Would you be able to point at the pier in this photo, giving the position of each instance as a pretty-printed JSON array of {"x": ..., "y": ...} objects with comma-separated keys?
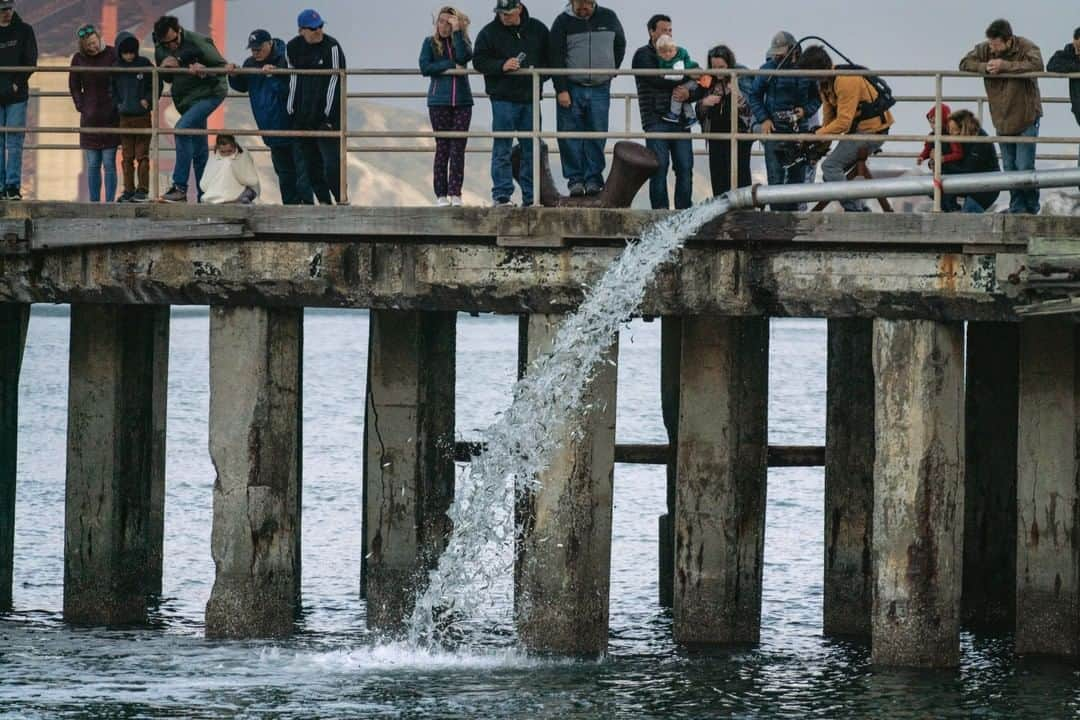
[{"x": 950, "y": 457}]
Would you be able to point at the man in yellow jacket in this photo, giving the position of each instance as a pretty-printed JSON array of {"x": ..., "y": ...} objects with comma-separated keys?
[{"x": 843, "y": 99}]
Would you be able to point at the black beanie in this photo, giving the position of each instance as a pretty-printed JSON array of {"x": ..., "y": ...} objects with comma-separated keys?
[{"x": 129, "y": 44}]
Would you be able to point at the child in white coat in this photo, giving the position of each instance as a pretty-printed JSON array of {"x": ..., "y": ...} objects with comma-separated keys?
[{"x": 230, "y": 175}]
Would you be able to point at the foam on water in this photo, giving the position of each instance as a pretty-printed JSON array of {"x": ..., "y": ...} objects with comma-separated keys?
[{"x": 468, "y": 591}]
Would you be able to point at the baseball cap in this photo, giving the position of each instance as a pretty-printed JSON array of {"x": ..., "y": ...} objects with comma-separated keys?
[
  {"x": 255, "y": 39},
  {"x": 781, "y": 43},
  {"x": 309, "y": 19},
  {"x": 6, "y": 4},
  {"x": 505, "y": 6}
]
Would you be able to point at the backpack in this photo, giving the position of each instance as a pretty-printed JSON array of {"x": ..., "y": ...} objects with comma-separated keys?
[{"x": 877, "y": 107}]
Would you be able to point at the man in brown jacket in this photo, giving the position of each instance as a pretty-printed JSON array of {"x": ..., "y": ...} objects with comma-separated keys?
[
  {"x": 1015, "y": 104},
  {"x": 845, "y": 100}
]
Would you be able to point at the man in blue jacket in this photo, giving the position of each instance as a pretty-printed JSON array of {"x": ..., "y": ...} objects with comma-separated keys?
[
  {"x": 783, "y": 104},
  {"x": 269, "y": 96},
  {"x": 584, "y": 36}
]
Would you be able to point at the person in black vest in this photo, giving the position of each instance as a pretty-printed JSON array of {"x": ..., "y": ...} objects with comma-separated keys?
[
  {"x": 655, "y": 94},
  {"x": 315, "y": 103},
  {"x": 18, "y": 48}
]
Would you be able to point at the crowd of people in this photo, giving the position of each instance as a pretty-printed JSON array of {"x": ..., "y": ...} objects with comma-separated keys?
[{"x": 582, "y": 39}]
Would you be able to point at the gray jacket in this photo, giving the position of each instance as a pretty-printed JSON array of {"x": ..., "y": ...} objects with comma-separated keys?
[{"x": 597, "y": 42}]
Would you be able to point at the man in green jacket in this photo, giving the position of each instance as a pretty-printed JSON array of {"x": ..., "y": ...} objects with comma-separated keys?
[{"x": 194, "y": 93}]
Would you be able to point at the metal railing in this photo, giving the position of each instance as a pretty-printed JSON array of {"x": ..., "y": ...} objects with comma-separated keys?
[{"x": 537, "y": 135}]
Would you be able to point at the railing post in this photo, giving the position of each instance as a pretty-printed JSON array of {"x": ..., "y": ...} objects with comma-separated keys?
[
  {"x": 155, "y": 139},
  {"x": 937, "y": 142},
  {"x": 734, "y": 88},
  {"x": 343, "y": 164},
  {"x": 537, "y": 85},
  {"x": 629, "y": 116}
]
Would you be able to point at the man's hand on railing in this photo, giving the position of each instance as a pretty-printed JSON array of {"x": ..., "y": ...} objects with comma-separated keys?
[
  {"x": 511, "y": 65},
  {"x": 197, "y": 66},
  {"x": 995, "y": 66},
  {"x": 231, "y": 68}
]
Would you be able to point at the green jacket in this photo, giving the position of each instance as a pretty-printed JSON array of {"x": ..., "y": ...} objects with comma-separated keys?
[{"x": 188, "y": 89}]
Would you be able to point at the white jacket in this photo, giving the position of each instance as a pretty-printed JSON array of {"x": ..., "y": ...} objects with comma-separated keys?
[{"x": 225, "y": 178}]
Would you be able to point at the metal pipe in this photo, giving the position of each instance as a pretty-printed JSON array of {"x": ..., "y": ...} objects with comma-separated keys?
[{"x": 761, "y": 195}]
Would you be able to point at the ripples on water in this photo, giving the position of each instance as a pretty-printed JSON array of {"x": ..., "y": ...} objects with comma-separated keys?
[{"x": 333, "y": 668}]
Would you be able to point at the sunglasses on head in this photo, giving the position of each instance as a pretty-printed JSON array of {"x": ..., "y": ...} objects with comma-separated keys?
[{"x": 86, "y": 31}]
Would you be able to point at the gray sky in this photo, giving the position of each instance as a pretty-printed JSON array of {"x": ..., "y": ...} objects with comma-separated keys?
[{"x": 887, "y": 34}]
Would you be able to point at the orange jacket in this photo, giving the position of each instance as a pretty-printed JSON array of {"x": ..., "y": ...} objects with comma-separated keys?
[{"x": 840, "y": 98}]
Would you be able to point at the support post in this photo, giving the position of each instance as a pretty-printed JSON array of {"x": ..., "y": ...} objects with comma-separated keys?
[
  {"x": 14, "y": 319},
  {"x": 720, "y": 499},
  {"x": 408, "y": 457},
  {"x": 256, "y": 375},
  {"x": 849, "y": 478},
  {"x": 114, "y": 511},
  {"x": 918, "y": 492},
  {"x": 1047, "y": 558},
  {"x": 993, "y": 368},
  {"x": 670, "y": 357},
  {"x": 562, "y": 576}
]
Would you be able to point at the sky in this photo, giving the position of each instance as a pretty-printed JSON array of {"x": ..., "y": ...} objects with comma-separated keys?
[{"x": 887, "y": 34}]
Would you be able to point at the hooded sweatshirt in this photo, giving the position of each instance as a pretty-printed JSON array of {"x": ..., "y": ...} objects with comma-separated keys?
[
  {"x": 188, "y": 88},
  {"x": 955, "y": 150},
  {"x": 594, "y": 42},
  {"x": 497, "y": 43},
  {"x": 226, "y": 178},
  {"x": 269, "y": 94},
  {"x": 93, "y": 98},
  {"x": 18, "y": 48},
  {"x": 130, "y": 89},
  {"x": 1015, "y": 104}
]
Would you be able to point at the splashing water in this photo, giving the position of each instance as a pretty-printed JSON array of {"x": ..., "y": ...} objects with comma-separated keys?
[{"x": 521, "y": 443}]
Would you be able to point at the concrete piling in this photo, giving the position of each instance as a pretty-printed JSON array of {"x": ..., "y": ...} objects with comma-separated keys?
[
  {"x": 1047, "y": 561},
  {"x": 918, "y": 492},
  {"x": 670, "y": 357},
  {"x": 849, "y": 477},
  {"x": 255, "y": 443},
  {"x": 114, "y": 511},
  {"x": 992, "y": 391},
  {"x": 408, "y": 457},
  {"x": 563, "y": 570},
  {"x": 14, "y": 319},
  {"x": 722, "y": 459}
]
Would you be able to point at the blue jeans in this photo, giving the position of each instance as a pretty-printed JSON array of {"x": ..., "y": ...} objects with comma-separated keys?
[
  {"x": 583, "y": 161},
  {"x": 1015, "y": 156},
  {"x": 11, "y": 144},
  {"x": 677, "y": 152},
  {"x": 95, "y": 161},
  {"x": 509, "y": 116},
  {"x": 971, "y": 205},
  {"x": 193, "y": 150}
]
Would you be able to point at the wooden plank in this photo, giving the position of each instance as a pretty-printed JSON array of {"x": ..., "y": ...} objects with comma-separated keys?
[{"x": 49, "y": 234}]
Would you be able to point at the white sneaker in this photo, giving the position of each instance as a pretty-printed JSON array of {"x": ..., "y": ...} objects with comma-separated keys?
[
  {"x": 455, "y": 201},
  {"x": 442, "y": 202}
]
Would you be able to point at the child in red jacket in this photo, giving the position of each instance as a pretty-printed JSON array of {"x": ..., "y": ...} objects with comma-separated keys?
[{"x": 952, "y": 153}]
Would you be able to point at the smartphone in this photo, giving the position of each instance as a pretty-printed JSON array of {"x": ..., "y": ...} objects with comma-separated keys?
[{"x": 521, "y": 59}]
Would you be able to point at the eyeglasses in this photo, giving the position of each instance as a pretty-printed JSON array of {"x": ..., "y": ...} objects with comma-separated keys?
[
  {"x": 86, "y": 31},
  {"x": 174, "y": 41}
]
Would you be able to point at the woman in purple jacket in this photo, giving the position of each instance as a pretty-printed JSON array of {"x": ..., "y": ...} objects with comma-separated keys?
[{"x": 93, "y": 99}]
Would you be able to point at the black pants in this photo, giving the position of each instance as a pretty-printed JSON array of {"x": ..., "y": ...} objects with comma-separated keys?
[
  {"x": 720, "y": 165},
  {"x": 323, "y": 167},
  {"x": 291, "y": 171}
]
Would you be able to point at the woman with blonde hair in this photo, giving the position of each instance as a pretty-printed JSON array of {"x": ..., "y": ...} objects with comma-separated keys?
[
  {"x": 449, "y": 99},
  {"x": 92, "y": 96},
  {"x": 978, "y": 158}
]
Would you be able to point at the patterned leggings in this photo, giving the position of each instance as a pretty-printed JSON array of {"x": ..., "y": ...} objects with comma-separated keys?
[{"x": 449, "y": 172}]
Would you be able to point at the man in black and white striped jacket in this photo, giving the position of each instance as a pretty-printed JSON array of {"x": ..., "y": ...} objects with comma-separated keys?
[{"x": 315, "y": 103}]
